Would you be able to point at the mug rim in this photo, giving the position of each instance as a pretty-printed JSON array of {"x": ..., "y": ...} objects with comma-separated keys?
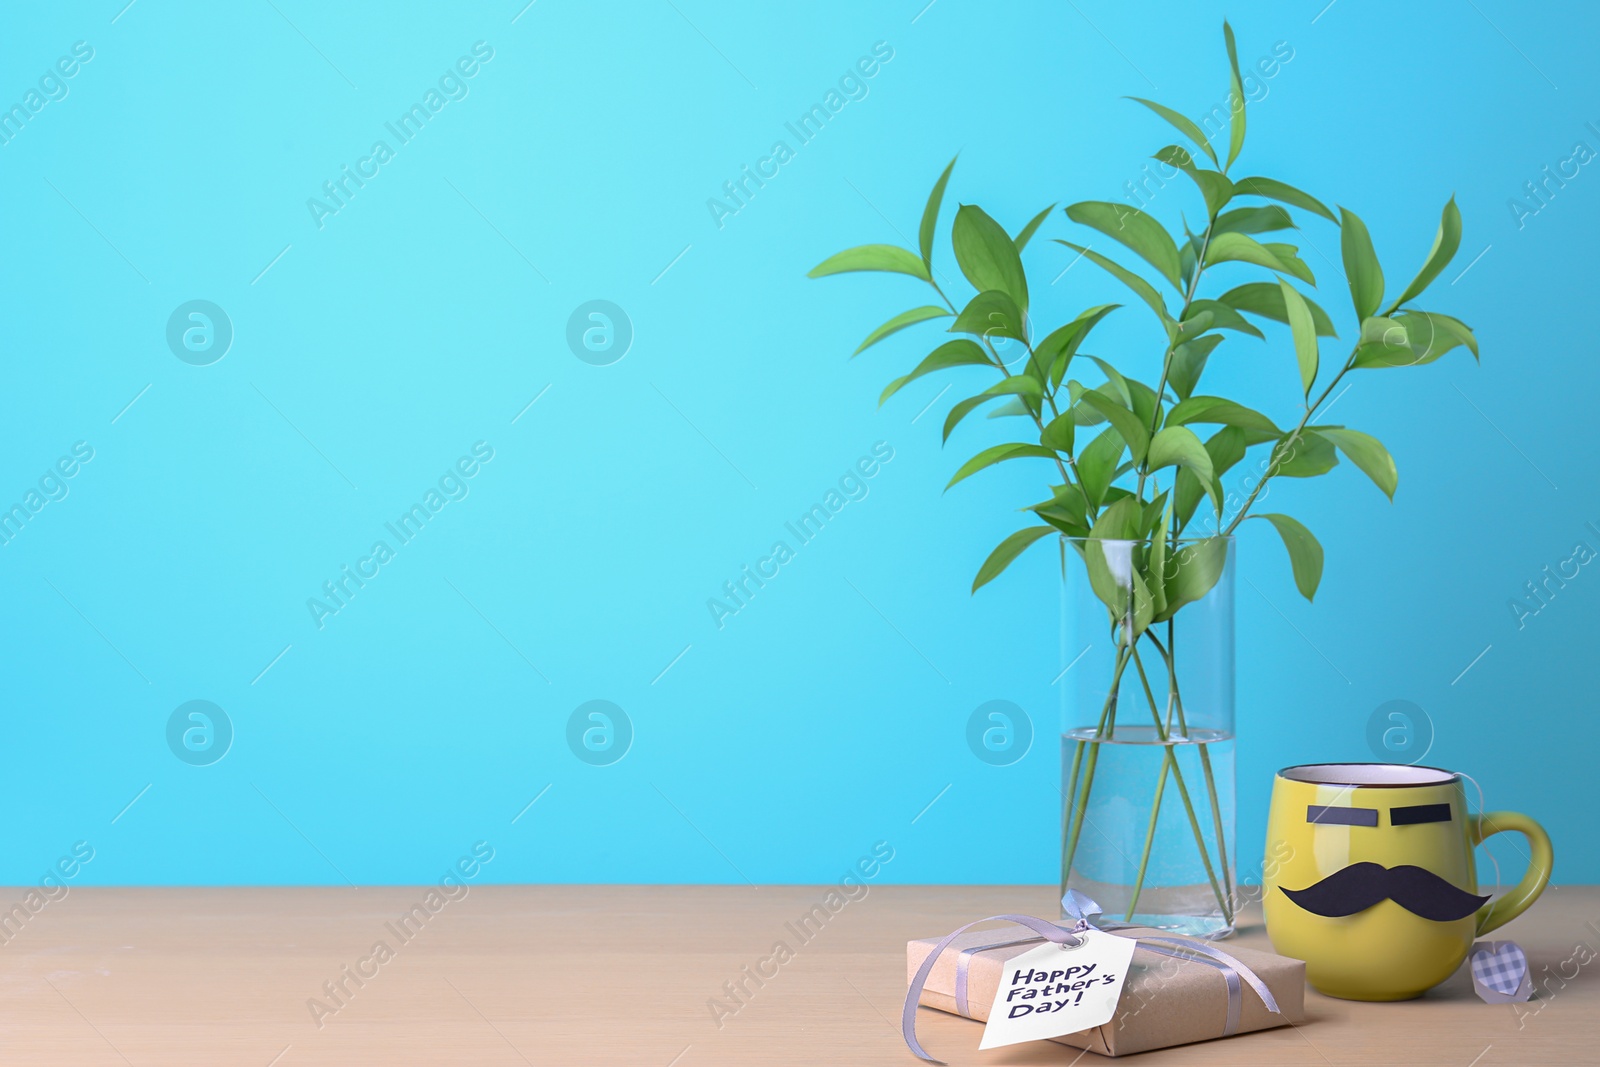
[{"x": 1444, "y": 777}]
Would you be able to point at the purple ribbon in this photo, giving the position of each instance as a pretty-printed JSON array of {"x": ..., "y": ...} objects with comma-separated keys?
[
  {"x": 1081, "y": 909},
  {"x": 1047, "y": 931},
  {"x": 964, "y": 961}
]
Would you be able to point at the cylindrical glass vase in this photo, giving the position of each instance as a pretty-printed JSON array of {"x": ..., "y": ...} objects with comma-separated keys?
[{"x": 1147, "y": 742}]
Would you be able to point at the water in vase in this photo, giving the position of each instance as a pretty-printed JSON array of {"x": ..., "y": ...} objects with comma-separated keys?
[{"x": 1148, "y": 826}]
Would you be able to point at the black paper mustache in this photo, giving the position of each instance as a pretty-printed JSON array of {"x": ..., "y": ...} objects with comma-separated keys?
[{"x": 1361, "y": 885}]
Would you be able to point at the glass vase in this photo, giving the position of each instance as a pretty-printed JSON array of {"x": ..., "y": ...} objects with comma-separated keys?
[{"x": 1147, "y": 742}]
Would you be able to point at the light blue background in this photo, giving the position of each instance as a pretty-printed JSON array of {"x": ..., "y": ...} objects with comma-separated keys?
[{"x": 830, "y": 712}]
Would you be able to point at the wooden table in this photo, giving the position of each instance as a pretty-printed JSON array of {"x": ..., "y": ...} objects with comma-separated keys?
[{"x": 570, "y": 975}]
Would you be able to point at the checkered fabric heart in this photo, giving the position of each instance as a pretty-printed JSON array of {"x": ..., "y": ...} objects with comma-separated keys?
[{"x": 1499, "y": 966}]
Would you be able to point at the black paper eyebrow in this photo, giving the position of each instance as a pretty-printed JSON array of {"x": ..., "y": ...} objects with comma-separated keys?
[
  {"x": 1416, "y": 813},
  {"x": 1326, "y": 816}
]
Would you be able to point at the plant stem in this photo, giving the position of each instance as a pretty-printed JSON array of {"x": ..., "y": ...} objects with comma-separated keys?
[
  {"x": 1183, "y": 793},
  {"x": 1172, "y": 347},
  {"x": 1049, "y": 397},
  {"x": 1108, "y": 718},
  {"x": 1216, "y": 822},
  {"x": 1291, "y": 437},
  {"x": 1155, "y": 814},
  {"x": 1149, "y": 842},
  {"x": 1170, "y": 656},
  {"x": 1069, "y": 816}
]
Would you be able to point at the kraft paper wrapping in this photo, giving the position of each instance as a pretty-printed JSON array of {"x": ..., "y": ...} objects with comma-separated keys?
[{"x": 1165, "y": 1001}]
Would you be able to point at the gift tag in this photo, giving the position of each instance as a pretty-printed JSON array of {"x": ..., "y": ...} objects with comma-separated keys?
[
  {"x": 1059, "y": 989},
  {"x": 1500, "y": 972}
]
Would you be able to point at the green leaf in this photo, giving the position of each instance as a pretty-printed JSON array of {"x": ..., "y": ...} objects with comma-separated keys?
[
  {"x": 1016, "y": 407},
  {"x": 1188, "y": 255},
  {"x": 1097, "y": 464},
  {"x": 991, "y": 314},
  {"x": 1188, "y": 361},
  {"x": 1360, "y": 265},
  {"x": 1059, "y": 346},
  {"x": 998, "y": 454},
  {"x": 1226, "y": 447},
  {"x": 1192, "y": 572},
  {"x": 962, "y": 410},
  {"x": 1266, "y": 299},
  {"x": 1063, "y": 516},
  {"x": 1445, "y": 243},
  {"x": 1303, "y": 328},
  {"x": 1120, "y": 521},
  {"x": 1411, "y": 339},
  {"x": 1130, "y": 392},
  {"x": 1254, "y": 220},
  {"x": 958, "y": 353},
  {"x": 1144, "y": 400},
  {"x": 1436, "y": 334},
  {"x": 1305, "y": 554},
  {"x": 1026, "y": 234},
  {"x": 930, "y": 216},
  {"x": 1182, "y": 124},
  {"x": 1196, "y": 324},
  {"x": 1385, "y": 331},
  {"x": 1177, "y": 446},
  {"x": 986, "y": 255},
  {"x": 1006, "y": 551},
  {"x": 1128, "y": 425},
  {"x": 1083, "y": 414},
  {"x": 1146, "y": 237},
  {"x": 1289, "y": 256},
  {"x": 1236, "y": 124},
  {"x": 1144, "y": 289},
  {"x": 1036, "y": 369},
  {"x": 872, "y": 257},
  {"x": 900, "y": 322},
  {"x": 1224, "y": 317},
  {"x": 1116, "y": 385},
  {"x": 1156, "y": 564},
  {"x": 1016, "y": 385},
  {"x": 1215, "y": 409},
  {"x": 1384, "y": 343},
  {"x": 1066, "y": 508},
  {"x": 1447, "y": 332},
  {"x": 1238, "y": 247},
  {"x": 1137, "y": 608},
  {"x": 1368, "y": 453},
  {"x": 1059, "y": 433},
  {"x": 1308, "y": 456},
  {"x": 1283, "y": 193},
  {"x": 1151, "y": 515},
  {"x": 1071, "y": 497},
  {"x": 1061, "y": 519},
  {"x": 1214, "y": 186},
  {"x": 1112, "y": 559}
]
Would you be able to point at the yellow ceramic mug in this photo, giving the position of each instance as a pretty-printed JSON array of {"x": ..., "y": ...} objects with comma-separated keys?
[{"x": 1370, "y": 876}]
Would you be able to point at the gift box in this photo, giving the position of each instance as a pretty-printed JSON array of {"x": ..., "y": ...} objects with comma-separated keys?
[{"x": 1171, "y": 996}]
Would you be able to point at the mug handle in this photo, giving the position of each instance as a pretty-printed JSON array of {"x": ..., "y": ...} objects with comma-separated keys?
[{"x": 1497, "y": 913}]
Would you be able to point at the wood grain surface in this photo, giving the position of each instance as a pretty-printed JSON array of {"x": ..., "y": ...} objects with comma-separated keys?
[{"x": 567, "y": 975}]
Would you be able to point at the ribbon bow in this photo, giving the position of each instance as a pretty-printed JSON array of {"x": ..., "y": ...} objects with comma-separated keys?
[{"x": 1081, "y": 909}]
